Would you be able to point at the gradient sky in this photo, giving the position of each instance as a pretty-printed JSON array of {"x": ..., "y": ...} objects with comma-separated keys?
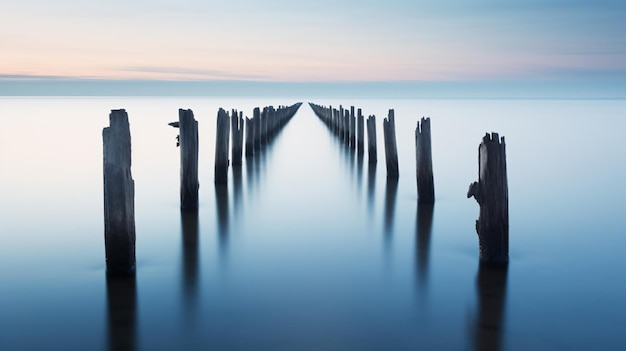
[{"x": 323, "y": 40}]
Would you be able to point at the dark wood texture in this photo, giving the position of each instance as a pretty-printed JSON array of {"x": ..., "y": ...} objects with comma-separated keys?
[
  {"x": 492, "y": 194},
  {"x": 424, "y": 162},
  {"x": 119, "y": 196}
]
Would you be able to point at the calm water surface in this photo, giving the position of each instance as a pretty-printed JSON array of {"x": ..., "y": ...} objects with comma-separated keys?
[{"x": 309, "y": 248}]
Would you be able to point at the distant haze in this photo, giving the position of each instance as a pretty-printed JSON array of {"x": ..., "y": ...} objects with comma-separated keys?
[{"x": 553, "y": 42}]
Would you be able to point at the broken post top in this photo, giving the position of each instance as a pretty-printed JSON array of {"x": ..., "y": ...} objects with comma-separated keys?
[
  {"x": 493, "y": 138},
  {"x": 423, "y": 125}
]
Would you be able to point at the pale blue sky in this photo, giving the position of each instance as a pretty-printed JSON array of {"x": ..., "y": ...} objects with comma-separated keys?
[{"x": 281, "y": 40}]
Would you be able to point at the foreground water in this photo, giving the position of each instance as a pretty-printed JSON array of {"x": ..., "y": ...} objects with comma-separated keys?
[{"x": 310, "y": 248}]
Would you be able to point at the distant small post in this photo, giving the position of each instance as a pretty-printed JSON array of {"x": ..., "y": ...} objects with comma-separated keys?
[
  {"x": 221, "y": 147},
  {"x": 371, "y": 139},
  {"x": 492, "y": 194},
  {"x": 119, "y": 196},
  {"x": 188, "y": 139},
  {"x": 391, "y": 150},
  {"x": 424, "y": 163}
]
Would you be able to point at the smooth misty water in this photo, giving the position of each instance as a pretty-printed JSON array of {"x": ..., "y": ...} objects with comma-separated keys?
[{"x": 309, "y": 248}]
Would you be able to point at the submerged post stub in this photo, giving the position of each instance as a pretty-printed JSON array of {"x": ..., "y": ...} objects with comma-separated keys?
[
  {"x": 221, "y": 147},
  {"x": 119, "y": 196},
  {"x": 424, "y": 162},
  {"x": 391, "y": 150},
  {"x": 492, "y": 194},
  {"x": 188, "y": 160}
]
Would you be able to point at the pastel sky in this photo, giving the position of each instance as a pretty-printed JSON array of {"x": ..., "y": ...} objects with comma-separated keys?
[{"x": 323, "y": 40}]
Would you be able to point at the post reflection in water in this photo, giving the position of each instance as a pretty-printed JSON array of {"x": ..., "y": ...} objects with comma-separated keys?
[
  {"x": 122, "y": 312},
  {"x": 237, "y": 190},
  {"x": 359, "y": 171},
  {"x": 391, "y": 190},
  {"x": 221, "y": 200},
  {"x": 189, "y": 226},
  {"x": 371, "y": 186},
  {"x": 491, "y": 290},
  {"x": 423, "y": 232}
]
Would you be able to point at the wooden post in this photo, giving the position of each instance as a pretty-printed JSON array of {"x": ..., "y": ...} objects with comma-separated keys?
[
  {"x": 256, "y": 131},
  {"x": 391, "y": 151},
  {"x": 360, "y": 132},
  {"x": 119, "y": 196},
  {"x": 352, "y": 128},
  {"x": 237, "y": 136},
  {"x": 424, "y": 163},
  {"x": 221, "y": 147},
  {"x": 188, "y": 139},
  {"x": 371, "y": 139},
  {"x": 492, "y": 194},
  {"x": 249, "y": 137}
]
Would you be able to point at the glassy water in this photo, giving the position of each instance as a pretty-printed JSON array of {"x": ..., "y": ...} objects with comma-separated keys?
[{"x": 309, "y": 248}]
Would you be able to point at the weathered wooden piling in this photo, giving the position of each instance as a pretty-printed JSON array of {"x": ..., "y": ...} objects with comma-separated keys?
[
  {"x": 352, "y": 128},
  {"x": 237, "y": 137},
  {"x": 249, "y": 137},
  {"x": 391, "y": 150},
  {"x": 221, "y": 147},
  {"x": 119, "y": 196},
  {"x": 424, "y": 162},
  {"x": 256, "y": 128},
  {"x": 491, "y": 193},
  {"x": 188, "y": 139},
  {"x": 371, "y": 139},
  {"x": 360, "y": 132}
]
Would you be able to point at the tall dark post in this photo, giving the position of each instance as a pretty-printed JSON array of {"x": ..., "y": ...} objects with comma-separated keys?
[
  {"x": 492, "y": 194},
  {"x": 237, "y": 137},
  {"x": 391, "y": 150},
  {"x": 352, "y": 132},
  {"x": 371, "y": 139},
  {"x": 221, "y": 147},
  {"x": 256, "y": 128},
  {"x": 188, "y": 139},
  {"x": 119, "y": 196},
  {"x": 249, "y": 137},
  {"x": 360, "y": 132},
  {"x": 424, "y": 162}
]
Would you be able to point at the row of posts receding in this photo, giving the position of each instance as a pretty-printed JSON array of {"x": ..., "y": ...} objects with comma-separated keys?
[
  {"x": 251, "y": 134},
  {"x": 119, "y": 186},
  {"x": 490, "y": 191}
]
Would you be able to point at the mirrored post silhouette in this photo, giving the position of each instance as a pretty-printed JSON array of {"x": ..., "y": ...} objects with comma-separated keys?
[
  {"x": 391, "y": 191},
  {"x": 371, "y": 187},
  {"x": 237, "y": 190},
  {"x": 122, "y": 312},
  {"x": 491, "y": 283},
  {"x": 359, "y": 171},
  {"x": 221, "y": 201},
  {"x": 190, "y": 239},
  {"x": 423, "y": 233}
]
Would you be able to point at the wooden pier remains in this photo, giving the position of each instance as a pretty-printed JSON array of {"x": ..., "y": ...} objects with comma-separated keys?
[
  {"x": 491, "y": 193},
  {"x": 237, "y": 137},
  {"x": 119, "y": 196},
  {"x": 424, "y": 162},
  {"x": 391, "y": 150},
  {"x": 360, "y": 132},
  {"x": 188, "y": 140},
  {"x": 371, "y": 139},
  {"x": 221, "y": 147}
]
